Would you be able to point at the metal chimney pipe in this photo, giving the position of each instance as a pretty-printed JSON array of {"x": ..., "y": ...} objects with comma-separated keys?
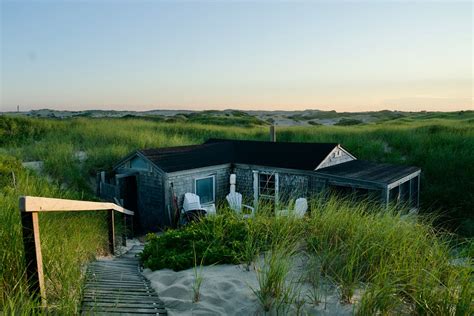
[{"x": 272, "y": 133}]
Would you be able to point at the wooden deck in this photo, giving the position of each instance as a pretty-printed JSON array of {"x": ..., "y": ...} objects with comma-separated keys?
[{"x": 117, "y": 287}]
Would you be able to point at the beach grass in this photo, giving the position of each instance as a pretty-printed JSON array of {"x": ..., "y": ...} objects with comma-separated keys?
[
  {"x": 401, "y": 264},
  {"x": 68, "y": 241},
  {"x": 441, "y": 144}
]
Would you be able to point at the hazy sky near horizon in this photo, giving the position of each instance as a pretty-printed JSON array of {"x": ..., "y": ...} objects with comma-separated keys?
[{"x": 330, "y": 55}]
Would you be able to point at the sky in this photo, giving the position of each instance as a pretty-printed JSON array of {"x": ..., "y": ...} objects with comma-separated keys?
[{"x": 254, "y": 55}]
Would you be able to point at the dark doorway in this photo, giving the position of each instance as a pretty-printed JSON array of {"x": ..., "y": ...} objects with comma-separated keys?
[{"x": 129, "y": 196}]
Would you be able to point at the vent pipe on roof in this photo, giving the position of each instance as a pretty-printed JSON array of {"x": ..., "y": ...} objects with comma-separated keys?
[{"x": 272, "y": 133}]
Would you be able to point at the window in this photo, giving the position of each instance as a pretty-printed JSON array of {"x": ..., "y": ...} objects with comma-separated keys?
[
  {"x": 205, "y": 189},
  {"x": 266, "y": 185}
]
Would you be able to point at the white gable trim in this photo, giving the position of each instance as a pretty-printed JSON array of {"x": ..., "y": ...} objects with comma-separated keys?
[{"x": 338, "y": 147}]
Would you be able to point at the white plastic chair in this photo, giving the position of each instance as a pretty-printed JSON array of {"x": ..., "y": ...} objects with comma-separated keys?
[
  {"x": 301, "y": 206},
  {"x": 210, "y": 209},
  {"x": 235, "y": 203},
  {"x": 191, "y": 202}
]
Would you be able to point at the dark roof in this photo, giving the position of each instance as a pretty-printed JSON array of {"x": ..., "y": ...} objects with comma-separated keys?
[
  {"x": 172, "y": 159},
  {"x": 303, "y": 156},
  {"x": 382, "y": 173}
]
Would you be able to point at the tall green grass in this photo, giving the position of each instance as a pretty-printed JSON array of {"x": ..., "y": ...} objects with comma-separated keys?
[
  {"x": 441, "y": 144},
  {"x": 68, "y": 241},
  {"x": 405, "y": 264},
  {"x": 401, "y": 264}
]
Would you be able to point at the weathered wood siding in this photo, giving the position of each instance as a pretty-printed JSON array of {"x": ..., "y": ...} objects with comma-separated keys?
[
  {"x": 183, "y": 182},
  {"x": 151, "y": 209},
  {"x": 151, "y": 203},
  {"x": 336, "y": 157},
  {"x": 317, "y": 184},
  {"x": 291, "y": 183},
  {"x": 244, "y": 183}
]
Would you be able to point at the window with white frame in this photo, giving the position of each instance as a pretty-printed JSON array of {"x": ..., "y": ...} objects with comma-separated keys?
[
  {"x": 205, "y": 189},
  {"x": 266, "y": 185}
]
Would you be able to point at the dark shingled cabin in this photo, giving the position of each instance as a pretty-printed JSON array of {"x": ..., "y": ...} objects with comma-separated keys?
[{"x": 146, "y": 180}]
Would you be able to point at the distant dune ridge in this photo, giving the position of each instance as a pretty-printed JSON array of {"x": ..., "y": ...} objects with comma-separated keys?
[{"x": 240, "y": 117}]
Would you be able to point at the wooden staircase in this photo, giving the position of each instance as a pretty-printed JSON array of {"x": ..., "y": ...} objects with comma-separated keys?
[{"x": 117, "y": 287}]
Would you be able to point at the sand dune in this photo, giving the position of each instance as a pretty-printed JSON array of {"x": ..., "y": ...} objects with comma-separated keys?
[{"x": 227, "y": 290}]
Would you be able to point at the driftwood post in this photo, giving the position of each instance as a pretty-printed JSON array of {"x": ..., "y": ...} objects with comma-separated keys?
[{"x": 30, "y": 206}]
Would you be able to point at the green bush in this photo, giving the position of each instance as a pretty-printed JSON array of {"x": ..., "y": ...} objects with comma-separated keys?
[
  {"x": 218, "y": 239},
  {"x": 348, "y": 122}
]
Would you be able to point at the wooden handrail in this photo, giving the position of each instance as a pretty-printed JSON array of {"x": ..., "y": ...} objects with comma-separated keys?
[
  {"x": 42, "y": 204},
  {"x": 30, "y": 206}
]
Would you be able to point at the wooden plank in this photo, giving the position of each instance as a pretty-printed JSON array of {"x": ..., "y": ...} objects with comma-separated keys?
[
  {"x": 42, "y": 204},
  {"x": 404, "y": 179},
  {"x": 114, "y": 291},
  {"x": 109, "y": 286},
  {"x": 121, "y": 304},
  {"x": 121, "y": 314},
  {"x": 118, "y": 291},
  {"x": 112, "y": 281},
  {"x": 111, "y": 313},
  {"x": 148, "y": 299},
  {"x": 125, "y": 309},
  {"x": 152, "y": 301}
]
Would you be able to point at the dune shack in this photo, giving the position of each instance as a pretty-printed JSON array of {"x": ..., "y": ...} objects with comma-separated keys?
[{"x": 152, "y": 182}]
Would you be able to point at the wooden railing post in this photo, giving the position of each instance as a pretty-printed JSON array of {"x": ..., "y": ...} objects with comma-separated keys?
[
  {"x": 111, "y": 232},
  {"x": 33, "y": 256},
  {"x": 29, "y": 208},
  {"x": 124, "y": 231}
]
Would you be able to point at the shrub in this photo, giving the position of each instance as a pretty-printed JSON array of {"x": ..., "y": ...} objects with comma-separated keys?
[
  {"x": 348, "y": 122},
  {"x": 217, "y": 239}
]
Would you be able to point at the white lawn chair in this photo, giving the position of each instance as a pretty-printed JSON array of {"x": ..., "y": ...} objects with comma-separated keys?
[
  {"x": 210, "y": 209},
  {"x": 235, "y": 203},
  {"x": 191, "y": 202},
  {"x": 301, "y": 206}
]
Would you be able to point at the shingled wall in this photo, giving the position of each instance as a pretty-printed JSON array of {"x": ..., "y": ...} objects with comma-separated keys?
[
  {"x": 183, "y": 181},
  {"x": 292, "y": 184},
  {"x": 152, "y": 214}
]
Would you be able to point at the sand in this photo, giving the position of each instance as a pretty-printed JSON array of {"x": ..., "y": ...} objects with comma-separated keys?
[{"x": 227, "y": 290}]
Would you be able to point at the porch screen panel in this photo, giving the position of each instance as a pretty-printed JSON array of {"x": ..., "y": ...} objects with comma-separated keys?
[{"x": 266, "y": 185}]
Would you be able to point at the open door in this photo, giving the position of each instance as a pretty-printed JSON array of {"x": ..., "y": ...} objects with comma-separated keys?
[{"x": 129, "y": 196}]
